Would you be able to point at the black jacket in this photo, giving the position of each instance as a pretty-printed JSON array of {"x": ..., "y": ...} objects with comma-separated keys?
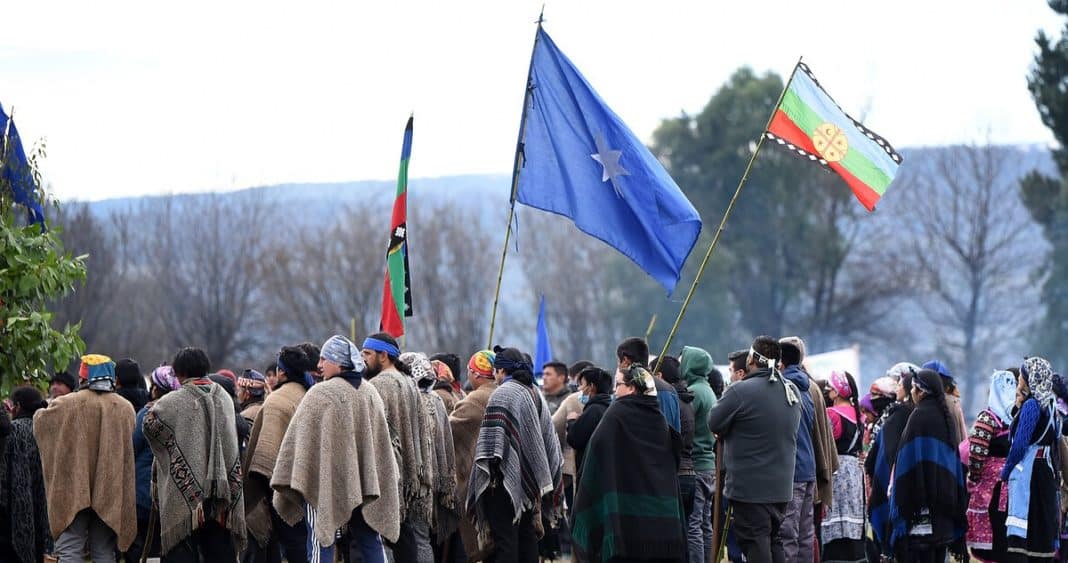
[
  {"x": 580, "y": 430},
  {"x": 687, "y": 426}
]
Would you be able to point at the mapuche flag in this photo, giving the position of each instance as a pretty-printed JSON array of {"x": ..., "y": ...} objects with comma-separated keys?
[
  {"x": 397, "y": 292},
  {"x": 810, "y": 124}
]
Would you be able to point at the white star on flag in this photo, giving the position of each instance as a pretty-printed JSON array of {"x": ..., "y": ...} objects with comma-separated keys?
[{"x": 609, "y": 160}]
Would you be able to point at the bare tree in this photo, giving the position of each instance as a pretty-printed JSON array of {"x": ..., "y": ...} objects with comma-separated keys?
[
  {"x": 571, "y": 269},
  {"x": 204, "y": 254},
  {"x": 971, "y": 246}
]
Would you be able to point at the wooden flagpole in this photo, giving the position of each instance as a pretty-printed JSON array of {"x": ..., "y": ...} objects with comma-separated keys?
[
  {"x": 516, "y": 167},
  {"x": 723, "y": 221}
]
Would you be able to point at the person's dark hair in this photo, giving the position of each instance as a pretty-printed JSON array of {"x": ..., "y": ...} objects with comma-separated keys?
[
  {"x": 295, "y": 363},
  {"x": 559, "y": 367},
  {"x": 930, "y": 382},
  {"x": 312, "y": 351},
  {"x": 769, "y": 348},
  {"x": 634, "y": 349},
  {"x": 824, "y": 387},
  {"x": 577, "y": 367},
  {"x": 599, "y": 378},
  {"x": 737, "y": 359},
  {"x": 453, "y": 361},
  {"x": 791, "y": 355},
  {"x": 906, "y": 384},
  {"x": 1059, "y": 388},
  {"x": 669, "y": 369},
  {"x": 854, "y": 399},
  {"x": 191, "y": 363},
  {"x": 715, "y": 381},
  {"x": 28, "y": 399},
  {"x": 128, "y": 374},
  {"x": 271, "y": 368},
  {"x": 1015, "y": 372},
  {"x": 397, "y": 363},
  {"x": 66, "y": 379},
  {"x": 879, "y": 404},
  {"x": 635, "y": 377},
  {"x": 226, "y": 383},
  {"x": 515, "y": 364}
]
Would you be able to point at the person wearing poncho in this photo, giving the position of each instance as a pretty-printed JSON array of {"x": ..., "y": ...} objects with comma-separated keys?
[
  {"x": 439, "y": 511},
  {"x": 465, "y": 420},
  {"x": 198, "y": 466},
  {"x": 879, "y": 463},
  {"x": 88, "y": 463},
  {"x": 269, "y": 530},
  {"x": 627, "y": 506},
  {"x": 24, "y": 533},
  {"x": 391, "y": 379},
  {"x": 517, "y": 461},
  {"x": 988, "y": 446},
  {"x": 338, "y": 460},
  {"x": 1029, "y": 472},
  {"x": 928, "y": 497},
  {"x": 163, "y": 382}
]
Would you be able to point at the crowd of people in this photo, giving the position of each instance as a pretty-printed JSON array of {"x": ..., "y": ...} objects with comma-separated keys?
[{"x": 346, "y": 452}]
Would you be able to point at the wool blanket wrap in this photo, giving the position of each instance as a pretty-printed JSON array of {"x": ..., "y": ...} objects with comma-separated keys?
[
  {"x": 262, "y": 453},
  {"x": 22, "y": 493},
  {"x": 438, "y": 443},
  {"x": 465, "y": 421},
  {"x": 627, "y": 504},
  {"x": 198, "y": 464},
  {"x": 517, "y": 448},
  {"x": 88, "y": 461},
  {"x": 404, "y": 413},
  {"x": 337, "y": 456}
]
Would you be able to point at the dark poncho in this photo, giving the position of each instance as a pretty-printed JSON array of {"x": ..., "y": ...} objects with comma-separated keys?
[
  {"x": 879, "y": 464},
  {"x": 628, "y": 500},
  {"x": 929, "y": 498},
  {"x": 23, "y": 511}
]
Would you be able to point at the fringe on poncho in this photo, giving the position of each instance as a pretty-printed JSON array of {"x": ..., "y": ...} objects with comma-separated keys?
[
  {"x": 445, "y": 515},
  {"x": 337, "y": 456},
  {"x": 22, "y": 492},
  {"x": 517, "y": 433},
  {"x": 404, "y": 416},
  {"x": 193, "y": 435}
]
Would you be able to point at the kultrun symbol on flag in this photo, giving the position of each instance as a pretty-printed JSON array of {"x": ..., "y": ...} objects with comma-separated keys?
[{"x": 830, "y": 141}]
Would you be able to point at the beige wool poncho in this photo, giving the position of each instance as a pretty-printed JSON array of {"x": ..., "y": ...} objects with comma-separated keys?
[
  {"x": 337, "y": 456},
  {"x": 263, "y": 445},
  {"x": 88, "y": 461}
]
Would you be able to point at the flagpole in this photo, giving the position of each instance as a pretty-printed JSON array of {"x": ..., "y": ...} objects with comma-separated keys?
[
  {"x": 723, "y": 221},
  {"x": 649, "y": 330},
  {"x": 516, "y": 167}
]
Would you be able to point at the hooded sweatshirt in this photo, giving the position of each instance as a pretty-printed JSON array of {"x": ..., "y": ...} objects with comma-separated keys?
[
  {"x": 805, "y": 464},
  {"x": 695, "y": 363}
]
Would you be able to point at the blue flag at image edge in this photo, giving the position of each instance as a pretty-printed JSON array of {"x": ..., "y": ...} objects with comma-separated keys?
[
  {"x": 543, "y": 350},
  {"x": 581, "y": 161},
  {"x": 16, "y": 171}
]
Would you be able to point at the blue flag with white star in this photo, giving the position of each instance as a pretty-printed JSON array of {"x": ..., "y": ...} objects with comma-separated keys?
[{"x": 581, "y": 161}]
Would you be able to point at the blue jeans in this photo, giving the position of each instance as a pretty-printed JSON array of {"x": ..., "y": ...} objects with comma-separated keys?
[
  {"x": 699, "y": 524},
  {"x": 365, "y": 543}
]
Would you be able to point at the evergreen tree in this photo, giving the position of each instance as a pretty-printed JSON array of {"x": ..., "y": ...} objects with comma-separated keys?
[{"x": 1047, "y": 197}]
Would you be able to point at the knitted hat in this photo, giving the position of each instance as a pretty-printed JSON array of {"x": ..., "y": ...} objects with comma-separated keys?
[
  {"x": 99, "y": 371},
  {"x": 481, "y": 363}
]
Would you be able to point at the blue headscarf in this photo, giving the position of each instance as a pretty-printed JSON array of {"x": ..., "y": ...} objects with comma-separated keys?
[{"x": 1002, "y": 395}]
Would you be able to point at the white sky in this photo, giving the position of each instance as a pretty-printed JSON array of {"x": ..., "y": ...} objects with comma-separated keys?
[{"x": 135, "y": 98}]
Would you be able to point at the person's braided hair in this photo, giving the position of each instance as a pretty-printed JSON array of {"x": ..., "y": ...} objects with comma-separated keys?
[
  {"x": 932, "y": 382},
  {"x": 854, "y": 398}
]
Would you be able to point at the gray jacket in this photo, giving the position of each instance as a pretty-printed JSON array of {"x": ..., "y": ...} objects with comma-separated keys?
[{"x": 759, "y": 431}]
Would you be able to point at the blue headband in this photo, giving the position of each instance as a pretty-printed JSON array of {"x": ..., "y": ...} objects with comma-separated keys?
[{"x": 381, "y": 346}]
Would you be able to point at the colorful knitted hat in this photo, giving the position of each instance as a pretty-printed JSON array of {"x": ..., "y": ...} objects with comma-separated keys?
[
  {"x": 99, "y": 371},
  {"x": 481, "y": 363}
]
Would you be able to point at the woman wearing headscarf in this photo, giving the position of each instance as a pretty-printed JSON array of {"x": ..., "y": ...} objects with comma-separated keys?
[
  {"x": 928, "y": 498},
  {"x": 881, "y": 458},
  {"x": 163, "y": 382},
  {"x": 988, "y": 445},
  {"x": 842, "y": 529},
  {"x": 627, "y": 506},
  {"x": 446, "y": 385},
  {"x": 1033, "y": 512},
  {"x": 24, "y": 532}
]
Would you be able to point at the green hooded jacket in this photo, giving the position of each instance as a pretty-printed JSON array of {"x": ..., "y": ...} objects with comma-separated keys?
[{"x": 695, "y": 364}]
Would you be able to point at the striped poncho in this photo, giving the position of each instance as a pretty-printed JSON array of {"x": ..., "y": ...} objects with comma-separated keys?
[{"x": 517, "y": 438}]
